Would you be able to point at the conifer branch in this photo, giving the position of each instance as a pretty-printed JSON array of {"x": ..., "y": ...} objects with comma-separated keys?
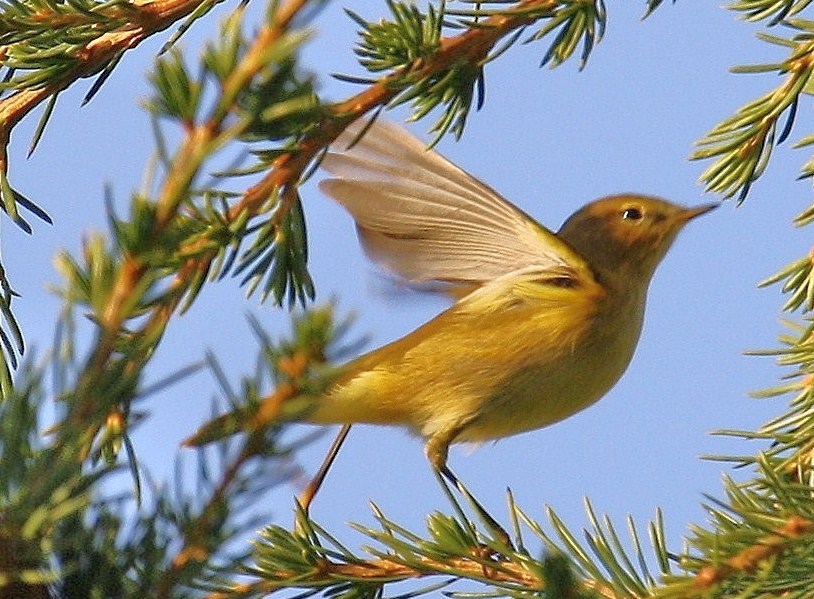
[
  {"x": 471, "y": 46},
  {"x": 136, "y": 271},
  {"x": 749, "y": 559},
  {"x": 311, "y": 559},
  {"x": 107, "y": 30},
  {"x": 743, "y": 143}
]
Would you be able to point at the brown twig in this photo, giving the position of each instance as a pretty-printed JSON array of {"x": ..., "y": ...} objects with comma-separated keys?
[
  {"x": 328, "y": 573},
  {"x": 144, "y": 20},
  {"x": 473, "y": 45},
  {"x": 748, "y": 559}
]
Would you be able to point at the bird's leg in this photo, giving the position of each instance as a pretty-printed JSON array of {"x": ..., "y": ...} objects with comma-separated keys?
[
  {"x": 437, "y": 450},
  {"x": 310, "y": 491}
]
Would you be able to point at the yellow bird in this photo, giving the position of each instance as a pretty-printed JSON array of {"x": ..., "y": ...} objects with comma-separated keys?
[
  {"x": 545, "y": 323},
  {"x": 548, "y": 322}
]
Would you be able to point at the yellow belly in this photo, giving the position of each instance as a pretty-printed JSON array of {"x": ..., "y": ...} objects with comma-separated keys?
[{"x": 489, "y": 374}]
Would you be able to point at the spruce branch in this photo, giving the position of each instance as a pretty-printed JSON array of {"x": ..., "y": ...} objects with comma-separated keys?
[
  {"x": 413, "y": 78},
  {"x": 743, "y": 143},
  {"x": 41, "y": 64},
  {"x": 759, "y": 539},
  {"x": 132, "y": 282},
  {"x": 431, "y": 71},
  {"x": 453, "y": 549},
  {"x": 46, "y": 47},
  {"x": 749, "y": 559}
]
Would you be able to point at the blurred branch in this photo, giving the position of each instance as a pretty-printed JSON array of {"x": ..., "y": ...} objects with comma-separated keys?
[
  {"x": 63, "y": 534},
  {"x": 150, "y": 244},
  {"x": 290, "y": 364}
]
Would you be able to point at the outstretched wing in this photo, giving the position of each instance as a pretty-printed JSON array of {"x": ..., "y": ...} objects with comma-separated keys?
[{"x": 424, "y": 219}]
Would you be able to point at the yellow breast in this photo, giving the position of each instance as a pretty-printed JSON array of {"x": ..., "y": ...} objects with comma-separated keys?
[{"x": 521, "y": 357}]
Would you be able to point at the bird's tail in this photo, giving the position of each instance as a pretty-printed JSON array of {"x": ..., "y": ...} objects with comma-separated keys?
[{"x": 284, "y": 405}]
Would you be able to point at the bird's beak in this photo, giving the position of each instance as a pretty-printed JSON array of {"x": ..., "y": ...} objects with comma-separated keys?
[{"x": 690, "y": 213}]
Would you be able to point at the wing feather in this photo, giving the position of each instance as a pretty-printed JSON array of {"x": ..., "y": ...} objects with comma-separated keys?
[{"x": 424, "y": 219}]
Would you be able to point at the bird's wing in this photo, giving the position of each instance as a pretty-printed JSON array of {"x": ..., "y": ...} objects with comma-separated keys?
[{"x": 424, "y": 219}]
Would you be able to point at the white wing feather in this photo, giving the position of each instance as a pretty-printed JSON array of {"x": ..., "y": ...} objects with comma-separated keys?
[{"x": 424, "y": 219}]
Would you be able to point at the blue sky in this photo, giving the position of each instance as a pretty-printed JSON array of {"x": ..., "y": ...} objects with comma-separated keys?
[{"x": 550, "y": 141}]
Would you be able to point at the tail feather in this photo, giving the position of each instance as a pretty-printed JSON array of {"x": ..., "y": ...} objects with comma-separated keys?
[{"x": 277, "y": 408}]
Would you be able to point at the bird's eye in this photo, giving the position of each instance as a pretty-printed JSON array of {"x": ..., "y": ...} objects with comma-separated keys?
[{"x": 632, "y": 214}]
